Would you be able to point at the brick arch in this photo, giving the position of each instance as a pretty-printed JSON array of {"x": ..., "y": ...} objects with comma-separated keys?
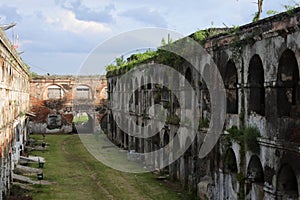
[
  {"x": 92, "y": 96},
  {"x": 45, "y": 90}
]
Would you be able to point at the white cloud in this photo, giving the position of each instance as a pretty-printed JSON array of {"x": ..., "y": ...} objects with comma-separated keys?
[
  {"x": 58, "y": 32},
  {"x": 66, "y": 21}
]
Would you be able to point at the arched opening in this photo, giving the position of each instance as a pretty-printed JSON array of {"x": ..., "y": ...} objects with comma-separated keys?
[
  {"x": 142, "y": 83},
  {"x": 165, "y": 90},
  {"x": 255, "y": 177},
  {"x": 136, "y": 96},
  {"x": 83, "y": 122},
  {"x": 122, "y": 137},
  {"x": 83, "y": 92},
  {"x": 137, "y": 144},
  {"x": 187, "y": 162},
  {"x": 230, "y": 162},
  {"x": 231, "y": 80},
  {"x": 166, "y": 140},
  {"x": 231, "y": 169},
  {"x": 176, "y": 164},
  {"x": 255, "y": 171},
  {"x": 187, "y": 96},
  {"x": 256, "y": 84},
  {"x": 288, "y": 92},
  {"x": 287, "y": 184},
  {"x": 54, "y": 92},
  {"x": 188, "y": 75},
  {"x": 131, "y": 97}
]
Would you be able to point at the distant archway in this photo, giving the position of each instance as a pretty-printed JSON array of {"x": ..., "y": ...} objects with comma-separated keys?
[
  {"x": 83, "y": 122},
  {"x": 53, "y": 92},
  {"x": 83, "y": 92}
]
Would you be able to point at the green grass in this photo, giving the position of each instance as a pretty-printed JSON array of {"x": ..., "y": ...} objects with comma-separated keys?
[
  {"x": 78, "y": 175},
  {"x": 80, "y": 119}
]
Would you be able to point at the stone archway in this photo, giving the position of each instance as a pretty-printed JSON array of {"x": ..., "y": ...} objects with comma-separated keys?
[
  {"x": 187, "y": 163},
  {"x": 288, "y": 94},
  {"x": 255, "y": 179},
  {"x": 230, "y": 175},
  {"x": 176, "y": 163},
  {"x": 53, "y": 92},
  {"x": 287, "y": 184},
  {"x": 231, "y": 80},
  {"x": 83, "y": 92},
  {"x": 256, "y": 85},
  {"x": 166, "y": 140},
  {"x": 84, "y": 122}
]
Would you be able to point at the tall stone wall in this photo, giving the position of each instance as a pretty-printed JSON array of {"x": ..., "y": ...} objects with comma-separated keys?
[
  {"x": 259, "y": 64},
  {"x": 14, "y": 105}
]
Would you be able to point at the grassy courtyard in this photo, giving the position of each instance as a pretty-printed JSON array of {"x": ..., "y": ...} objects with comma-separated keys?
[{"x": 76, "y": 174}]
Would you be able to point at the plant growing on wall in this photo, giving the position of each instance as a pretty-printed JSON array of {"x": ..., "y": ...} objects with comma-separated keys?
[{"x": 246, "y": 137}]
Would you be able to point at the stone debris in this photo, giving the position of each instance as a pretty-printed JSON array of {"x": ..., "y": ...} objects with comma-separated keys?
[
  {"x": 33, "y": 159},
  {"x": 24, "y": 179},
  {"x": 20, "y": 169}
]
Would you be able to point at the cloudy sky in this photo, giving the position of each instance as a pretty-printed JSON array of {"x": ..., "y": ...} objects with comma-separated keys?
[{"x": 58, "y": 35}]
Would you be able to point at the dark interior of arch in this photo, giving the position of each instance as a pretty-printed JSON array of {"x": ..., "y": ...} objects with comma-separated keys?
[
  {"x": 255, "y": 170},
  {"x": 231, "y": 81},
  {"x": 230, "y": 162},
  {"x": 256, "y": 84},
  {"x": 288, "y": 94},
  {"x": 287, "y": 181}
]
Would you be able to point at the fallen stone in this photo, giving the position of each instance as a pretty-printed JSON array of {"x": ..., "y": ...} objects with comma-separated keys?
[
  {"x": 24, "y": 179},
  {"x": 33, "y": 159},
  {"x": 20, "y": 169}
]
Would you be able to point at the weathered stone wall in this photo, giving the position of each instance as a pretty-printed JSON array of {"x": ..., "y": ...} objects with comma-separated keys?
[
  {"x": 14, "y": 105},
  {"x": 259, "y": 63},
  {"x": 64, "y": 95}
]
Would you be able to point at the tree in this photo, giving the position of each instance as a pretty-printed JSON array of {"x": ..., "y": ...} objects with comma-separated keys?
[{"x": 259, "y": 11}]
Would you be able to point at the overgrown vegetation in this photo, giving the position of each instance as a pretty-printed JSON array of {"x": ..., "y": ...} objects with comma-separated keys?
[
  {"x": 122, "y": 66},
  {"x": 246, "y": 137},
  {"x": 80, "y": 119},
  {"x": 289, "y": 8}
]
